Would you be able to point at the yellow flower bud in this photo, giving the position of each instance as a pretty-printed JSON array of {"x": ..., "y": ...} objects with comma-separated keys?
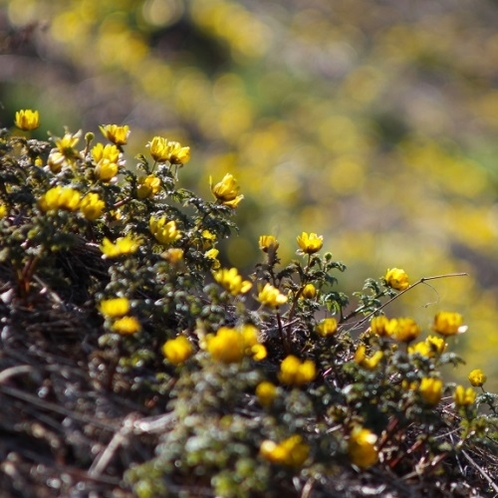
[
  {"x": 477, "y": 377},
  {"x": 397, "y": 279},
  {"x": 177, "y": 350},
  {"x": 27, "y": 119},
  {"x": 309, "y": 243}
]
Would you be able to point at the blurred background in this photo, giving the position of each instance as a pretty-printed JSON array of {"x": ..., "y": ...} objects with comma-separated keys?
[{"x": 374, "y": 124}]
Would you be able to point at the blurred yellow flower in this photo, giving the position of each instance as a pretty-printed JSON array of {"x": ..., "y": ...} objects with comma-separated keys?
[
  {"x": 60, "y": 198},
  {"x": 92, "y": 206},
  {"x": 270, "y": 296},
  {"x": 361, "y": 448},
  {"x": 268, "y": 242},
  {"x": 309, "y": 243},
  {"x": 165, "y": 232},
  {"x": 464, "y": 397},
  {"x": 328, "y": 326},
  {"x": 3, "y": 210},
  {"x": 291, "y": 452},
  {"x": 448, "y": 323},
  {"x": 266, "y": 392},
  {"x": 309, "y": 291},
  {"x": 126, "y": 325},
  {"x": 370, "y": 363},
  {"x": 106, "y": 170},
  {"x": 231, "y": 281},
  {"x": 422, "y": 348},
  {"x": 379, "y": 325},
  {"x": 431, "y": 390},
  {"x": 403, "y": 329},
  {"x": 296, "y": 373},
  {"x": 148, "y": 186},
  {"x": 213, "y": 255},
  {"x": 177, "y": 350},
  {"x": 437, "y": 344},
  {"x": 27, "y": 119},
  {"x": 397, "y": 279},
  {"x": 230, "y": 345},
  {"x": 477, "y": 377},
  {"x": 116, "y": 134},
  {"x": 226, "y": 191},
  {"x": 115, "y": 307},
  {"x": 67, "y": 143},
  {"x": 174, "y": 255},
  {"x": 122, "y": 246},
  {"x": 178, "y": 154}
]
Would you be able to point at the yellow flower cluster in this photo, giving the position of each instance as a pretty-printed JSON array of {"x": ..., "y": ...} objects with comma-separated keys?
[
  {"x": 226, "y": 191},
  {"x": 361, "y": 448},
  {"x": 397, "y": 279},
  {"x": 106, "y": 158},
  {"x": 177, "y": 350},
  {"x": 117, "y": 310},
  {"x": 270, "y": 296},
  {"x": 432, "y": 346},
  {"x": 230, "y": 345},
  {"x": 291, "y": 452},
  {"x": 231, "y": 281},
  {"x": 122, "y": 246},
  {"x": 164, "y": 231},
  {"x": 162, "y": 150},
  {"x": 59, "y": 197},
  {"x": 295, "y": 372}
]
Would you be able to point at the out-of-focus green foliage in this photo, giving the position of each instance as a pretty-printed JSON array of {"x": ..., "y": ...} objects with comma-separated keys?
[{"x": 375, "y": 124}]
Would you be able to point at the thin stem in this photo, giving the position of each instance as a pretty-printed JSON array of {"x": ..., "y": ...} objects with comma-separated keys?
[{"x": 418, "y": 282}]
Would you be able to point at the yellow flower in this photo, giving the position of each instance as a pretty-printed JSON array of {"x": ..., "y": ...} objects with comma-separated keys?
[
  {"x": 379, "y": 325},
  {"x": 148, "y": 186},
  {"x": 213, "y": 255},
  {"x": 422, "y": 348},
  {"x": 178, "y": 154},
  {"x": 122, "y": 246},
  {"x": 464, "y": 397},
  {"x": 92, "y": 206},
  {"x": 116, "y": 134},
  {"x": 448, "y": 323},
  {"x": 291, "y": 452},
  {"x": 231, "y": 345},
  {"x": 66, "y": 145},
  {"x": 397, "y": 279},
  {"x": 177, "y": 350},
  {"x": 270, "y": 296},
  {"x": 437, "y": 344},
  {"x": 232, "y": 281},
  {"x": 60, "y": 198},
  {"x": 174, "y": 255},
  {"x": 310, "y": 243},
  {"x": 27, "y": 120},
  {"x": 297, "y": 373},
  {"x": 370, "y": 363},
  {"x": 106, "y": 170},
  {"x": 164, "y": 231},
  {"x": 208, "y": 239},
  {"x": 226, "y": 191},
  {"x": 328, "y": 326},
  {"x": 126, "y": 326},
  {"x": 56, "y": 160},
  {"x": 477, "y": 377},
  {"x": 309, "y": 291},
  {"x": 3, "y": 210},
  {"x": 108, "y": 152},
  {"x": 115, "y": 307},
  {"x": 361, "y": 448},
  {"x": 268, "y": 242},
  {"x": 403, "y": 329},
  {"x": 431, "y": 390},
  {"x": 266, "y": 392}
]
